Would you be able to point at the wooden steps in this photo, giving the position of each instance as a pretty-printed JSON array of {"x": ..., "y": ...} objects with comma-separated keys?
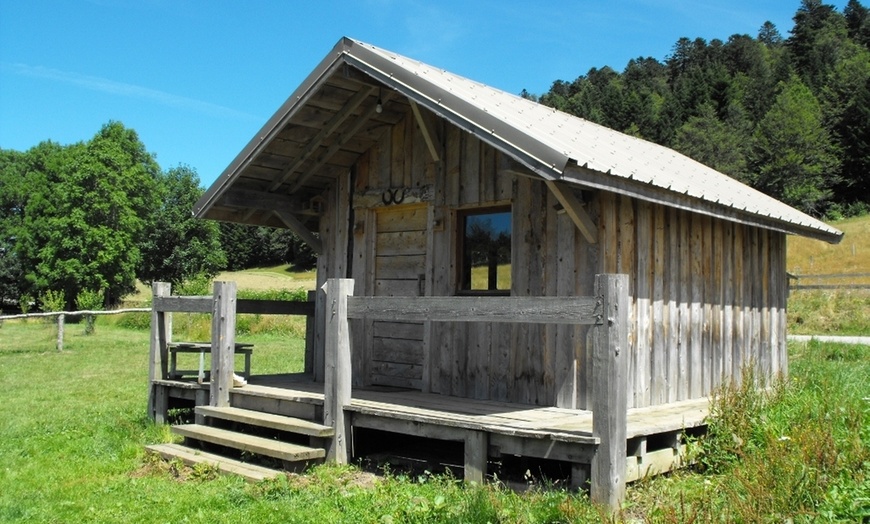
[
  {"x": 293, "y": 455},
  {"x": 267, "y": 420},
  {"x": 250, "y": 443},
  {"x": 226, "y": 466}
]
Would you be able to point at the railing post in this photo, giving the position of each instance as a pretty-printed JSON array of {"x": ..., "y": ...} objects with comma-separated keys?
[
  {"x": 161, "y": 328},
  {"x": 309, "y": 337},
  {"x": 337, "y": 368},
  {"x": 223, "y": 343},
  {"x": 610, "y": 390}
]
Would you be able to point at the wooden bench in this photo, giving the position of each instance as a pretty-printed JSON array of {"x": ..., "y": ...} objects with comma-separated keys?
[{"x": 202, "y": 348}]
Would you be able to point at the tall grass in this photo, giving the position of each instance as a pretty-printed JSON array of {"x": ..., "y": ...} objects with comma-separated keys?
[{"x": 73, "y": 427}]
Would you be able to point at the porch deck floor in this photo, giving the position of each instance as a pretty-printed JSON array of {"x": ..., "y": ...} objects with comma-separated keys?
[{"x": 519, "y": 420}]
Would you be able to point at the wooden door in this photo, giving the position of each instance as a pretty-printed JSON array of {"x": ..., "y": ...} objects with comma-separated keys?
[{"x": 399, "y": 270}]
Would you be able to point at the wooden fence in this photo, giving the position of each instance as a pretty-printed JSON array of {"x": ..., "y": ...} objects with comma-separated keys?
[{"x": 831, "y": 281}]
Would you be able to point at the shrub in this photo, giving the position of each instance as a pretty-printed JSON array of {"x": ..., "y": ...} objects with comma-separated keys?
[{"x": 89, "y": 300}]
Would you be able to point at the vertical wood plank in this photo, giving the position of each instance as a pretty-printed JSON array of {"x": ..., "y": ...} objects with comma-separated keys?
[
  {"x": 476, "y": 448},
  {"x": 715, "y": 298},
  {"x": 673, "y": 308},
  {"x": 158, "y": 360},
  {"x": 707, "y": 306},
  {"x": 728, "y": 302},
  {"x": 755, "y": 300},
  {"x": 781, "y": 268},
  {"x": 626, "y": 258},
  {"x": 658, "y": 371},
  {"x": 764, "y": 345},
  {"x": 470, "y": 182},
  {"x": 685, "y": 326},
  {"x": 738, "y": 352},
  {"x": 610, "y": 388},
  {"x": 397, "y": 154},
  {"x": 642, "y": 293},
  {"x": 696, "y": 339},
  {"x": 566, "y": 357},
  {"x": 337, "y": 384},
  {"x": 223, "y": 343}
]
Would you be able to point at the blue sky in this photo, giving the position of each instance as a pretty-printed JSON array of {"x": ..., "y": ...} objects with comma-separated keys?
[{"x": 197, "y": 79}]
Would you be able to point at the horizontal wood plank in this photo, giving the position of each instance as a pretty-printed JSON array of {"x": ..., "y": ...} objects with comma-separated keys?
[{"x": 532, "y": 310}]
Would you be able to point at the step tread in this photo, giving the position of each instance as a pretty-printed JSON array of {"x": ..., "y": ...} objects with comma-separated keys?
[
  {"x": 267, "y": 420},
  {"x": 250, "y": 443},
  {"x": 225, "y": 465}
]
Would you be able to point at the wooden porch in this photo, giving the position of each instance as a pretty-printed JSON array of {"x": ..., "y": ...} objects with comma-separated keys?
[
  {"x": 295, "y": 419},
  {"x": 488, "y": 429}
]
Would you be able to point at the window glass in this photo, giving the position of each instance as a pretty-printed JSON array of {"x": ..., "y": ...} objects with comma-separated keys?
[{"x": 486, "y": 251}]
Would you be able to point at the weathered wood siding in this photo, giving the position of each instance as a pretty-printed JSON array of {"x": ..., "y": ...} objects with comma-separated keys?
[{"x": 708, "y": 295}]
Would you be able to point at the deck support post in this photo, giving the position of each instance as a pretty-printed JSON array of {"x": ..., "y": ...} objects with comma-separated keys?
[
  {"x": 337, "y": 368},
  {"x": 476, "y": 451},
  {"x": 223, "y": 343},
  {"x": 610, "y": 353},
  {"x": 161, "y": 330}
]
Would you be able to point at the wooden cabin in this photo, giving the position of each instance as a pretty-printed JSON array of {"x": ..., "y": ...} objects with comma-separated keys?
[{"x": 415, "y": 182}]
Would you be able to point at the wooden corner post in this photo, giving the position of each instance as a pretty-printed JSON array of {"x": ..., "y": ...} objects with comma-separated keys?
[
  {"x": 337, "y": 368},
  {"x": 610, "y": 390},
  {"x": 161, "y": 329},
  {"x": 223, "y": 343}
]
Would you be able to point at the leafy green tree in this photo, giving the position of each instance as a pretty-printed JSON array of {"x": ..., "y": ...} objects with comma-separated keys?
[
  {"x": 176, "y": 246},
  {"x": 793, "y": 156},
  {"x": 85, "y": 219},
  {"x": 714, "y": 143},
  {"x": 12, "y": 200}
]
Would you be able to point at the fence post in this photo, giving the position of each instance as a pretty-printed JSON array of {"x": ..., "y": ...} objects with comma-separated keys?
[
  {"x": 337, "y": 368},
  {"x": 610, "y": 390},
  {"x": 223, "y": 343},
  {"x": 157, "y": 363},
  {"x": 60, "y": 320}
]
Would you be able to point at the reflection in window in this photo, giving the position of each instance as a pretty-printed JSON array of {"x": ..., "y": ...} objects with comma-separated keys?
[{"x": 486, "y": 251}]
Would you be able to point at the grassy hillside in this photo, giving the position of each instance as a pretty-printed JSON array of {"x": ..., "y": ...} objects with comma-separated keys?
[
  {"x": 852, "y": 255},
  {"x": 831, "y": 312}
]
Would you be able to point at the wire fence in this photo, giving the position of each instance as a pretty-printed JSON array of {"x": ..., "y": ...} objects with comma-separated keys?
[{"x": 61, "y": 317}]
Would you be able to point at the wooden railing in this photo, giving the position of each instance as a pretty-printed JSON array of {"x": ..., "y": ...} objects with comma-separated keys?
[
  {"x": 223, "y": 306},
  {"x": 606, "y": 312}
]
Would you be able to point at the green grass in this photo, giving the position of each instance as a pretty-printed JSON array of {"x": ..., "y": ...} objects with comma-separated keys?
[{"x": 73, "y": 427}]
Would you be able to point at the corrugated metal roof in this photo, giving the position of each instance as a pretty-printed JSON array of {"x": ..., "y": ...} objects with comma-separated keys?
[{"x": 547, "y": 140}]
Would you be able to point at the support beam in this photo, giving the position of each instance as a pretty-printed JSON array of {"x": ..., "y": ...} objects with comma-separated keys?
[
  {"x": 610, "y": 354},
  {"x": 476, "y": 450},
  {"x": 428, "y": 133},
  {"x": 301, "y": 231},
  {"x": 575, "y": 210},
  {"x": 223, "y": 343},
  {"x": 337, "y": 372},
  {"x": 344, "y": 138},
  {"x": 327, "y": 130},
  {"x": 158, "y": 369}
]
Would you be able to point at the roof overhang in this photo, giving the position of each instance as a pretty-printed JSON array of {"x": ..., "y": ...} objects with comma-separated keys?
[{"x": 331, "y": 119}]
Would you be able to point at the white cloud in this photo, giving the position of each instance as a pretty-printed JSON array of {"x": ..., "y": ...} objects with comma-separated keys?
[{"x": 104, "y": 85}]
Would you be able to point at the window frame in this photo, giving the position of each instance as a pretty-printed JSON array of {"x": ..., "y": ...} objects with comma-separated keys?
[{"x": 461, "y": 218}]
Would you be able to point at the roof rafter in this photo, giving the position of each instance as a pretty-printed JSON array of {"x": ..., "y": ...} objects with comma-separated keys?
[
  {"x": 345, "y": 137},
  {"x": 318, "y": 139}
]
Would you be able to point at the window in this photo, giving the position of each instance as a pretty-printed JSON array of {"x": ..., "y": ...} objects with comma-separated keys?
[{"x": 485, "y": 251}]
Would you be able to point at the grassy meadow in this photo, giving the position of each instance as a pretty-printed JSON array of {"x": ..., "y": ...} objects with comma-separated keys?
[{"x": 73, "y": 426}]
